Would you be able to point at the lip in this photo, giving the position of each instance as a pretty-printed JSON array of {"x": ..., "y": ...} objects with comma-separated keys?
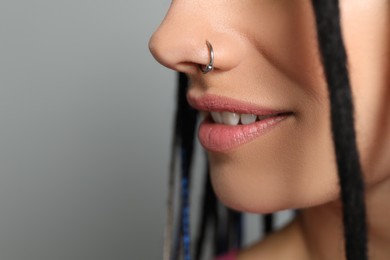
[
  {"x": 222, "y": 138},
  {"x": 217, "y": 103}
]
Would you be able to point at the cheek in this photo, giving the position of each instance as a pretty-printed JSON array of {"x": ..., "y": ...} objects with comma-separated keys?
[
  {"x": 290, "y": 167},
  {"x": 367, "y": 42}
]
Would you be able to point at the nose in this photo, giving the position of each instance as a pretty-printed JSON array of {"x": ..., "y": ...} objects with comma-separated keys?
[{"x": 179, "y": 43}]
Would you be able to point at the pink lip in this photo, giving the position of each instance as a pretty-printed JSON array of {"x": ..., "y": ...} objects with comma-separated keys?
[
  {"x": 221, "y": 138},
  {"x": 217, "y": 103}
]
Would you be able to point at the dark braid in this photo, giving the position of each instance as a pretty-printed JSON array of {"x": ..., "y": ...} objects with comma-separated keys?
[
  {"x": 268, "y": 223},
  {"x": 235, "y": 229},
  {"x": 334, "y": 59},
  {"x": 208, "y": 217},
  {"x": 185, "y": 125}
]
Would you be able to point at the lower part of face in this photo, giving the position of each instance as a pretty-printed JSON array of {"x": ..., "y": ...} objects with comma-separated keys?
[
  {"x": 266, "y": 54},
  {"x": 293, "y": 165}
]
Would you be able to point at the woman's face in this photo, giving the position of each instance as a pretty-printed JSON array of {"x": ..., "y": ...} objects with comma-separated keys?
[{"x": 267, "y": 62}]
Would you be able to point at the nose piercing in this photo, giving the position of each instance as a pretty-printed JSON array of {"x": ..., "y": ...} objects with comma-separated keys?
[{"x": 208, "y": 67}]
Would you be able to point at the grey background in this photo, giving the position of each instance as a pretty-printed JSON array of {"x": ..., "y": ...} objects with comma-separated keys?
[{"x": 85, "y": 116}]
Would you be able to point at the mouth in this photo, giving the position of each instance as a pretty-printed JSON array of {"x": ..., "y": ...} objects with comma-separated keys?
[{"x": 229, "y": 123}]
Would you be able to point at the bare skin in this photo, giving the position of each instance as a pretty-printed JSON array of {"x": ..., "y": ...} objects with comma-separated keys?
[{"x": 266, "y": 54}]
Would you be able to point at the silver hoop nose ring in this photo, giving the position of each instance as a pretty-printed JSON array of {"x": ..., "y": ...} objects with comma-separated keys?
[{"x": 209, "y": 67}]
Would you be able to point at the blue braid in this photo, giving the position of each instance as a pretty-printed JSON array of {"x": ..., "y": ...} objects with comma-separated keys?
[{"x": 185, "y": 202}]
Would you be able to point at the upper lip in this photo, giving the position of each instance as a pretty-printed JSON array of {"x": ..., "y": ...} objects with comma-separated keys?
[{"x": 216, "y": 103}]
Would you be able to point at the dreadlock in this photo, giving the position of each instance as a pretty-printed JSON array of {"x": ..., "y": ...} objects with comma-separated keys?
[
  {"x": 226, "y": 224},
  {"x": 334, "y": 59}
]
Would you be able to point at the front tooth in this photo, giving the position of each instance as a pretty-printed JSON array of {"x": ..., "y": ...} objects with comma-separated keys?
[
  {"x": 248, "y": 119},
  {"x": 217, "y": 117},
  {"x": 230, "y": 118}
]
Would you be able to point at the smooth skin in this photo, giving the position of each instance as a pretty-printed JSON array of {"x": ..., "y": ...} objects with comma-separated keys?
[{"x": 266, "y": 53}]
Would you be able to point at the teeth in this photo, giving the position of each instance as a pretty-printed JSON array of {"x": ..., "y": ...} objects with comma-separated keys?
[
  {"x": 248, "y": 119},
  {"x": 217, "y": 117},
  {"x": 230, "y": 118}
]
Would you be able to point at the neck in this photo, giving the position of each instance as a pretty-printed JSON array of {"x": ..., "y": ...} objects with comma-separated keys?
[{"x": 322, "y": 226}]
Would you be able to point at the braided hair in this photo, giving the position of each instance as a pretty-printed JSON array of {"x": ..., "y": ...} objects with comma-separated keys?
[{"x": 226, "y": 224}]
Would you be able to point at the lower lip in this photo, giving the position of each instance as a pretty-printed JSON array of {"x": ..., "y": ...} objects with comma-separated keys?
[{"x": 222, "y": 138}]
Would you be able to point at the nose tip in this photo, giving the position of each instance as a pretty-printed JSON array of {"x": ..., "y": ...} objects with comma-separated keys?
[
  {"x": 178, "y": 53},
  {"x": 180, "y": 42}
]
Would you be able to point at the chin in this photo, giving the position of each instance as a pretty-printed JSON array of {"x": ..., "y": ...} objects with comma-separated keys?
[{"x": 267, "y": 190}]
